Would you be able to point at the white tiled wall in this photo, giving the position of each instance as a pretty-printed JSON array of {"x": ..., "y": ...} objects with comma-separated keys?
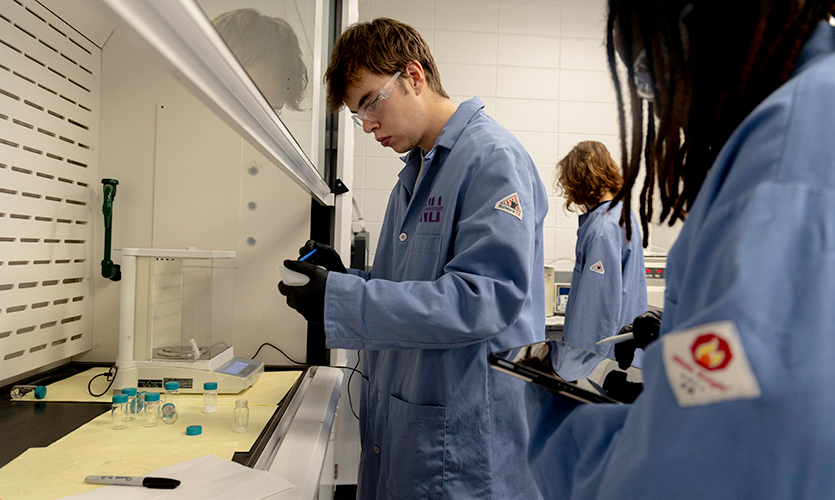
[{"x": 540, "y": 68}]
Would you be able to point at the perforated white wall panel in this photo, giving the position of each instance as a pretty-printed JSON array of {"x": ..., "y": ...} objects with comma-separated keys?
[{"x": 49, "y": 129}]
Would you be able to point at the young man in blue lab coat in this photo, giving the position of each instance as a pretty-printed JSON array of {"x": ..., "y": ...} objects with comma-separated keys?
[
  {"x": 609, "y": 284},
  {"x": 457, "y": 275},
  {"x": 737, "y": 400}
]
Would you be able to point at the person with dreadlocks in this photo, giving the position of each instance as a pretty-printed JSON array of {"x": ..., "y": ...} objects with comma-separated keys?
[
  {"x": 736, "y": 401},
  {"x": 609, "y": 284}
]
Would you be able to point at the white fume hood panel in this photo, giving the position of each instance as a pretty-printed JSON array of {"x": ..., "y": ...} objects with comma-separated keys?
[{"x": 179, "y": 31}]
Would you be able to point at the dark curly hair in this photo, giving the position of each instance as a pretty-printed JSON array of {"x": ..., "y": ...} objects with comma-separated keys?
[{"x": 712, "y": 62}]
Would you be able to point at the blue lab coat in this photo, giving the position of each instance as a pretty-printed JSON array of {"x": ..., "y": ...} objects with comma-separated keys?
[
  {"x": 757, "y": 252},
  {"x": 609, "y": 283},
  {"x": 457, "y": 275}
]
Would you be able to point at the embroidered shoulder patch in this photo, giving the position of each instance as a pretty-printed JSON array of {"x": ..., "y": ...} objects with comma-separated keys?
[
  {"x": 597, "y": 267},
  {"x": 510, "y": 205},
  {"x": 706, "y": 364}
]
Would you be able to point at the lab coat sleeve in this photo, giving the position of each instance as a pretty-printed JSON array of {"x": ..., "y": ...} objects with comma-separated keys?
[
  {"x": 357, "y": 272},
  {"x": 482, "y": 287},
  {"x": 581, "y": 444},
  {"x": 596, "y": 310}
]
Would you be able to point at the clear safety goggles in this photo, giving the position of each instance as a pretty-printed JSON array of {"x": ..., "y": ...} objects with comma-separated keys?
[{"x": 372, "y": 108}]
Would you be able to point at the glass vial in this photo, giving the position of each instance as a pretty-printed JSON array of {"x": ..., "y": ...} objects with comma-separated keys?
[
  {"x": 240, "y": 417},
  {"x": 134, "y": 404},
  {"x": 152, "y": 414},
  {"x": 19, "y": 391},
  {"x": 209, "y": 397},
  {"x": 172, "y": 394},
  {"x": 168, "y": 413},
  {"x": 119, "y": 412}
]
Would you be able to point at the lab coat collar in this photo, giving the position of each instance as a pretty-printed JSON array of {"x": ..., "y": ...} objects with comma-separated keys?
[
  {"x": 820, "y": 44},
  {"x": 585, "y": 216},
  {"x": 446, "y": 139}
]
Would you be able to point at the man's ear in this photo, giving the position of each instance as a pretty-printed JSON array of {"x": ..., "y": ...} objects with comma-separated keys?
[{"x": 417, "y": 78}]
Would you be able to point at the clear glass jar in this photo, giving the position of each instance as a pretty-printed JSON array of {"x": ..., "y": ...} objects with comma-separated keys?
[
  {"x": 209, "y": 397},
  {"x": 134, "y": 404},
  {"x": 119, "y": 412},
  {"x": 152, "y": 413},
  {"x": 240, "y": 416},
  {"x": 169, "y": 413},
  {"x": 172, "y": 394},
  {"x": 19, "y": 391}
]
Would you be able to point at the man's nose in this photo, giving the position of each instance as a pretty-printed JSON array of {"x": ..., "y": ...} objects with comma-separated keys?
[{"x": 369, "y": 126}]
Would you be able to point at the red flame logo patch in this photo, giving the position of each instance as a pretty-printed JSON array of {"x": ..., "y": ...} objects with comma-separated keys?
[{"x": 711, "y": 352}]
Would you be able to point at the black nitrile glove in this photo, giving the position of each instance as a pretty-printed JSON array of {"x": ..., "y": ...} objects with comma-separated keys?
[
  {"x": 308, "y": 299},
  {"x": 325, "y": 256},
  {"x": 620, "y": 389},
  {"x": 644, "y": 329}
]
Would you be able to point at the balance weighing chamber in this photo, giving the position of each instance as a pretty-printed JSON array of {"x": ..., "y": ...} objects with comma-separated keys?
[{"x": 176, "y": 322}]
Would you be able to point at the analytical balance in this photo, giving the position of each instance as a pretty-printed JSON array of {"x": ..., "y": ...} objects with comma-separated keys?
[{"x": 176, "y": 322}]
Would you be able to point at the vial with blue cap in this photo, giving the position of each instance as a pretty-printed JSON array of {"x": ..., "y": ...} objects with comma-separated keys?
[
  {"x": 119, "y": 411},
  {"x": 172, "y": 393},
  {"x": 19, "y": 391},
  {"x": 134, "y": 402},
  {"x": 152, "y": 409},
  {"x": 168, "y": 413},
  {"x": 209, "y": 397}
]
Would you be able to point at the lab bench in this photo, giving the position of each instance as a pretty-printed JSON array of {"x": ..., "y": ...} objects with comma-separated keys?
[{"x": 292, "y": 444}]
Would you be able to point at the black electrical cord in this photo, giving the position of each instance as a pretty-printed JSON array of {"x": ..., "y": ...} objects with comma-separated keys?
[
  {"x": 354, "y": 369},
  {"x": 279, "y": 350},
  {"x": 111, "y": 376}
]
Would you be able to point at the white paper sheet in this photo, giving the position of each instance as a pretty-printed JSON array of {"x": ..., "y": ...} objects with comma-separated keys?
[{"x": 208, "y": 476}]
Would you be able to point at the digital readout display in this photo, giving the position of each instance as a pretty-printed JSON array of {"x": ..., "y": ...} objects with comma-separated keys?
[{"x": 235, "y": 368}]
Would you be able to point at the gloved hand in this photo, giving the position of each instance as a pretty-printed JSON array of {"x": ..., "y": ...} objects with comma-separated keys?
[
  {"x": 325, "y": 256},
  {"x": 644, "y": 328},
  {"x": 308, "y": 299},
  {"x": 620, "y": 389}
]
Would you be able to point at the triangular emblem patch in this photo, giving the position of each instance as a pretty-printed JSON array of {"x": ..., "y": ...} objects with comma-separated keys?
[
  {"x": 597, "y": 267},
  {"x": 510, "y": 205}
]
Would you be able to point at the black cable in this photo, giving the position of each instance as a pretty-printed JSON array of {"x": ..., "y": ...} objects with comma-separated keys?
[
  {"x": 279, "y": 350},
  {"x": 111, "y": 376},
  {"x": 354, "y": 369}
]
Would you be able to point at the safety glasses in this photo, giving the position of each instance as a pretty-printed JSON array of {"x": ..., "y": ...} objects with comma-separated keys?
[{"x": 372, "y": 108}]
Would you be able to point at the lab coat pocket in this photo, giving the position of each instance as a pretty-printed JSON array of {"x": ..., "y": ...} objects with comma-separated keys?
[
  {"x": 417, "y": 446},
  {"x": 422, "y": 259}
]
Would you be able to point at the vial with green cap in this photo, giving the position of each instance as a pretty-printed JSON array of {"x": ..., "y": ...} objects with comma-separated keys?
[
  {"x": 209, "y": 397},
  {"x": 152, "y": 412},
  {"x": 119, "y": 412},
  {"x": 19, "y": 391}
]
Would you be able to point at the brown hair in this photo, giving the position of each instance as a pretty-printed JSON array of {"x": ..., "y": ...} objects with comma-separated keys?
[
  {"x": 255, "y": 38},
  {"x": 711, "y": 64},
  {"x": 587, "y": 173},
  {"x": 382, "y": 46}
]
